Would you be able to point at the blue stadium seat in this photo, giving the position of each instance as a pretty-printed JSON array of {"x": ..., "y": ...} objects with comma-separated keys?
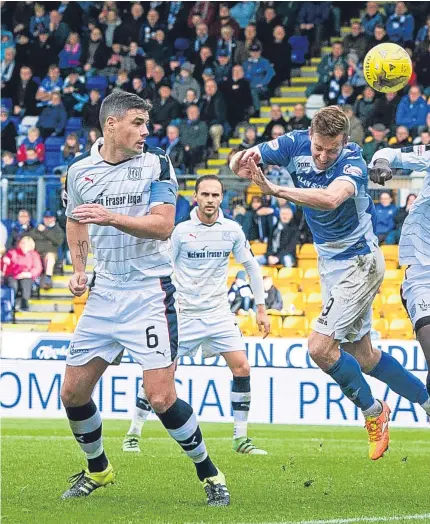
[
  {"x": 54, "y": 143},
  {"x": 74, "y": 125},
  {"x": 300, "y": 47},
  {"x": 7, "y": 103},
  {"x": 53, "y": 159},
  {"x": 16, "y": 121},
  {"x": 7, "y": 304},
  {"x": 37, "y": 80},
  {"x": 97, "y": 82},
  {"x": 152, "y": 141}
]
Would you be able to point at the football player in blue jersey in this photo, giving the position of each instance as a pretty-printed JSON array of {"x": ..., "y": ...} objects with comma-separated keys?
[{"x": 330, "y": 179}]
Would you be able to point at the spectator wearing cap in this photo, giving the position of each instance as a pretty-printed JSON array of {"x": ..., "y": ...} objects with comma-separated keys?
[
  {"x": 299, "y": 121},
  {"x": 240, "y": 295},
  {"x": 283, "y": 238},
  {"x": 48, "y": 237},
  {"x": 401, "y": 138},
  {"x": 91, "y": 111},
  {"x": 356, "y": 41},
  {"x": 229, "y": 43},
  {"x": 213, "y": 112},
  {"x": 278, "y": 52},
  {"x": 400, "y": 25},
  {"x": 8, "y": 132},
  {"x": 171, "y": 143},
  {"x": 356, "y": 133},
  {"x": 32, "y": 141},
  {"x": 259, "y": 72},
  {"x": 58, "y": 30},
  {"x": 43, "y": 53},
  {"x": 159, "y": 48},
  {"x": 224, "y": 19},
  {"x": 267, "y": 24},
  {"x": 164, "y": 110},
  {"x": 21, "y": 266},
  {"x": 242, "y": 54},
  {"x": 385, "y": 212},
  {"x": 379, "y": 36},
  {"x": 237, "y": 94},
  {"x": 52, "y": 83},
  {"x": 412, "y": 110},
  {"x": 95, "y": 53},
  {"x": 202, "y": 39},
  {"x": 371, "y": 18},
  {"x": 277, "y": 118},
  {"x": 385, "y": 110},
  {"x": 365, "y": 105},
  {"x": 75, "y": 94},
  {"x": 23, "y": 94},
  {"x": 375, "y": 142},
  {"x": 223, "y": 67},
  {"x": 185, "y": 81},
  {"x": 194, "y": 136}
]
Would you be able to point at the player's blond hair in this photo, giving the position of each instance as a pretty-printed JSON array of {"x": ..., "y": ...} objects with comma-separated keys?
[{"x": 330, "y": 121}]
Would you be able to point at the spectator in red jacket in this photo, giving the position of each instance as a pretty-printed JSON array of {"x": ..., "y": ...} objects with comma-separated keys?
[
  {"x": 33, "y": 141},
  {"x": 20, "y": 267}
]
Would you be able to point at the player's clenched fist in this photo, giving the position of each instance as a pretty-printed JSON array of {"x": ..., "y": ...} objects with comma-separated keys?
[
  {"x": 78, "y": 283},
  {"x": 380, "y": 172}
]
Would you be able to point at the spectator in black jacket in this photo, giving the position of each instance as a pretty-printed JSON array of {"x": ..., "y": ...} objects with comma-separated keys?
[
  {"x": 278, "y": 52},
  {"x": 379, "y": 37},
  {"x": 91, "y": 111},
  {"x": 281, "y": 248},
  {"x": 58, "y": 30},
  {"x": 266, "y": 26},
  {"x": 173, "y": 147},
  {"x": 43, "y": 53},
  {"x": 273, "y": 297},
  {"x": 213, "y": 112},
  {"x": 165, "y": 109},
  {"x": 356, "y": 40},
  {"x": 201, "y": 39},
  {"x": 299, "y": 121},
  {"x": 193, "y": 134},
  {"x": 364, "y": 106},
  {"x": 385, "y": 110},
  {"x": 23, "y": 94},
  {"x": 95, "y": 53},
  {"x": 237, "y": 94},
  {"x": 258, "y": 220},
  {"x": 129, "y": 30},
  {"x": 276, "y": 118},
  {"x": 8, "y": 132},
  {"x": 159, "y": 48}
]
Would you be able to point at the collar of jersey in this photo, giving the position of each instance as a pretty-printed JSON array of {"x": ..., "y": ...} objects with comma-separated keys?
[
  {"x": 196, "y": 219},
  {"x": 96, "y": 157}
]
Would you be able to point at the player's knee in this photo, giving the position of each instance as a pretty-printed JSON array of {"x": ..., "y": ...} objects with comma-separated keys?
[
  {"x": 160, "y": 401},
  {"x": 71, "y": 398},
  {"x": 242, "y": 370},
  {"x": 320, "y": 351}
]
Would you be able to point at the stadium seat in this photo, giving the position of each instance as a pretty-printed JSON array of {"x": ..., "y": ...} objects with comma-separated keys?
[
  {"x": 295, "y": 327},
  {"x": 73, "y": 125},
  {"x": 381, "y": 326},
  {"x": 393, "y": 304},
  {"x": 377, "y": 304},
  {"x": 313, "y": 304},
  {"x": 275, "y": 326},
  {"x": 311, "y": 281},
  {"x": 399, "y": 313},
  {"x": 62, "y": 322},
  {"x": 390, "y": 252},
  {"x": 401, "y": 328},
  {"x": 391, "y": 264},
  {"x": 292, "y": 274},
  {"x": 79, "y": 304},
  {"x": 152, "y": 141},
  {"x": 393, "y": 275},
  {"x": 97, "y": 82},
  {"x": 268, "y": 271},
  {"x": 308, "y": 251},
  {"x": 258, "y": 248},
  {"x": 285, "y": 288},
  {"x": 247, "y": 325},
  {"x": 233, "y": 269},
  {"x": 294, "y": 303}
]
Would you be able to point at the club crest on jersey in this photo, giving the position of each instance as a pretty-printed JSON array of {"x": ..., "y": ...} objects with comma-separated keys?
[
  {"x": 134, "y": 173},
  {"x": 352, "y": 170},
  {"x": 273, "y": 144},
  {"x": 226, "y": 235}
]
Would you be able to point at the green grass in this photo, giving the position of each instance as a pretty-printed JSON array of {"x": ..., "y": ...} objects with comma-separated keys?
[{"x": 311, "y": 473}]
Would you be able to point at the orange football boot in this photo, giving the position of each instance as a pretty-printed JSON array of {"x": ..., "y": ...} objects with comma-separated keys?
[{"x": 379, "y": 435}]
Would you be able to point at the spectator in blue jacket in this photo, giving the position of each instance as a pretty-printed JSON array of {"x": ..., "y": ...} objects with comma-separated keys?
[
  {"x": 52, "y": 120},
  {"x": 259, "y": 72},
  {"x": 371, "y": 18},
  {"x": 70, "y": 55},
  {"x": 31, "y": 168},
  {"x": 412, "y": 110},
  {"x": 386, "y": 213},
  {"x": 400, "y": 25},
  {"x": 52, "y": 83}
]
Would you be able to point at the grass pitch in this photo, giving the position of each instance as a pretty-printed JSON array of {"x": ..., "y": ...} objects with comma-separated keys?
[{"x": 312, "y": 474}]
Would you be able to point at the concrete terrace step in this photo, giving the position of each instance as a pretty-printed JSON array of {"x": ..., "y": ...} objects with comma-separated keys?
[
  {"x": 68, "y": 269},
  {"x": 285, "y": 109},
  {"x": 315, "y": 60},
  {"x": 51, "y": 306},
  {"x": 38, "y": 317},
  {"x": 288, "y": 100},
  {"x": 204, "y": 171},
  {"x": 293, "y": 90},
  {"x": 57, "y": 293},
  {"x": 217, "y": 162},
  {"x": 25, "y": 327},
  {"x": 306, "y": 80},
  {"x": 308, "y": 70}
]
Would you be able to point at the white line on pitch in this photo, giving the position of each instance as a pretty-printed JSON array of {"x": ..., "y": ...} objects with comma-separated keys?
[{"x": 353, "y": 520}]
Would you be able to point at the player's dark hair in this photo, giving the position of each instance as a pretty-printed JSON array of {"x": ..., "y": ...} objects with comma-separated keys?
[
  {"x": 118, "y": 103},
  {"x": 208, "y": 177}
]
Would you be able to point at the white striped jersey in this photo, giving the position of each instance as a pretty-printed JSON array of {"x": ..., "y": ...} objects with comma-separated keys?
[
  {"x": 131, "y": 187},
  {"x": 414, "y": 245},
  {"x": 200, "y": 255}
]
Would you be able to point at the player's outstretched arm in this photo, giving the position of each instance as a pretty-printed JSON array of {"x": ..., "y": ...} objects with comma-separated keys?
[
  {"x": 157, "y": 225},
  {"x": 77, "y": 239},
  {"x": 416, "y": 158},
  {"x": 324, "y": 199}
]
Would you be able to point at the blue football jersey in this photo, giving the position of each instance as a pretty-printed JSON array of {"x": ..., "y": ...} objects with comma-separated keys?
[{"x": 341, "y": 233}]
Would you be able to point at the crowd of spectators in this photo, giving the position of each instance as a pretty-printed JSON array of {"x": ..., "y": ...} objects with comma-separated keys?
[{"x": 207, "y": 67}]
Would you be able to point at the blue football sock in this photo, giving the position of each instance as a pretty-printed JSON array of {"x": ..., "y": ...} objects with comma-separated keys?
[
  {"x": 399, "y": 380},
  {"x": 347, "y": 373}
]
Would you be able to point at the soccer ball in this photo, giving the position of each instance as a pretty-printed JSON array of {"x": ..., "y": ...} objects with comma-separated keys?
[{"x": 387, "y": 68}]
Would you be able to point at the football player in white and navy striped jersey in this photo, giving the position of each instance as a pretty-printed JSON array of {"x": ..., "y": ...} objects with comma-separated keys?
[
  {"x": 414, "y": 245},
  {"x": 330, "y": 179},
  {"x": 121, "y": 199},
  {"x": 201, "y": 247}
]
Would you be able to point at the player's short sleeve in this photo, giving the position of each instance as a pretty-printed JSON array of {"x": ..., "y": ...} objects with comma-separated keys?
[
  {"x": 71, "y": 197},
  {"x": 241, "y": 248},
  {"x": 279, "y": 151},
  {"x": 164, "y": 186},
  {"x": 354, "y": 171}
]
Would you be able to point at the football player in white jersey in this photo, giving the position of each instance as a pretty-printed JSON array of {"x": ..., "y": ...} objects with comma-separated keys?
[
  {"x": 121, "y": 200},
  {"x": 330, "y": 178},
  {"x": 414, "y": 245},
  {"x": 201, "y": 247}
]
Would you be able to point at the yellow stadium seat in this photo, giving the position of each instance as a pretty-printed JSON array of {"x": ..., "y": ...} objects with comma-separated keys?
[
  {"x": 79, "y": 304},
  {"x": 308, "y": 251},
  {"x": 233, "y": 269},
  {"x": 312, "y": 322},
  {"x": 310, "y": 286},
  {"x": 294, "y": 303},
  {"x": 285, "y": 288},
  {"x": 393, "y": 303},
  {"x": 247, "y": 324},
  {"x": 391, "y": 264},
  {"x": 378, "y": 304},
  {"x": 290, "y": 274},
  {"x": 295, "y": 327},
  {"x": 230, "y": 281},
  {"x": 312, "y": 273},
  {"x": 306, "y": 263},
  {"x": 388, "y": 289},
  {"x": 275, "y": 326},
  {"x": 401, "y": 328},
  {"x": 62, "y": 322},
  {"x": 381, "y": 325},
  {"x": 258, "y": 248},
  {"x": 390, "y": 252},
  {"x": 314, "y": 298},
  {"x": 268, "y": 271},
  {"x": 393, "y": 275}
]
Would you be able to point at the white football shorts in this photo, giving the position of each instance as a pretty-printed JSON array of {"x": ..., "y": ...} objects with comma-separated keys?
[
  {"x": 348, "y": 290},
  {"x": 416, "y": 294},
  {"x": 140, "y": 317},
  {"x": 214, "y": 335}
]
